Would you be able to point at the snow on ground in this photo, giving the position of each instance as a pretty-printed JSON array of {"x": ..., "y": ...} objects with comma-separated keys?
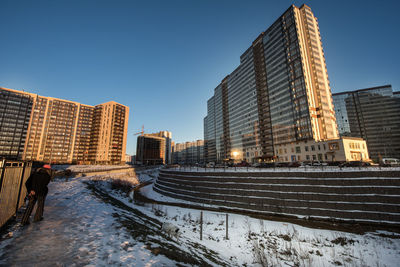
[
  {"x": 122, "y": 179},
  {"x": 276, "y": 243},
  {"x": 88, "y": 221},
  {"x": 78, "y": 229},
  {"x": 148, "y": 175},
  {"x": 90, "y": 168}
]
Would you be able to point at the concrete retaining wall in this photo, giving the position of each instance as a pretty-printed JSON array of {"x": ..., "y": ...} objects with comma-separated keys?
[{"x": 355, "y": 196}]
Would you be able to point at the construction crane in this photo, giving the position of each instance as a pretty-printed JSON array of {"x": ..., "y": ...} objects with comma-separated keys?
[{"x": 141, "y": 132}]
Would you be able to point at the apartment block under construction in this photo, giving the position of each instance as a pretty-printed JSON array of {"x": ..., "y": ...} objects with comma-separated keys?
[
  {"x": 154, "y": 148},
  {"x": 48, "y": 129}
]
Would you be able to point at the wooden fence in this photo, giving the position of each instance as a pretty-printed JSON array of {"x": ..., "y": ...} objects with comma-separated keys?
[{"x": 13, "y": 175}]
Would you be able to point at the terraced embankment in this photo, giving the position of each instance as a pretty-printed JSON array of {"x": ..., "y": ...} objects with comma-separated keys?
[{"x": 365, "y": 197}]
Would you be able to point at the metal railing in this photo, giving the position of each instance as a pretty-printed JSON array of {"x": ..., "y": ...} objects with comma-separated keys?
[
  {"x": 13, "y": 175},
  {"x": 283, "y": 169}
]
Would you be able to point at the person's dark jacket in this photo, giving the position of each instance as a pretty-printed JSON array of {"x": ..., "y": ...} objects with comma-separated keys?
[{"x": 38, "y": 182}]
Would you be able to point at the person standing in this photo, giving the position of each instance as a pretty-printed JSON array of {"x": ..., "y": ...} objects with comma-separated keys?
[{"x": 37, "y": 190}]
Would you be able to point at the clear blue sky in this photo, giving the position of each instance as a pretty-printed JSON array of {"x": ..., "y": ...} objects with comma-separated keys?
[{"x": 163, "y": 59}]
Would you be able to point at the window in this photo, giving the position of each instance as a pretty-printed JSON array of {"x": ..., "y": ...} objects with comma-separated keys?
[
  {"x": 324, "y": 146},
  {"x": 306, "y": 148},
  {"x": 312, "y": 148},
  {"x": 319, "y": 147},
  {"x": 333, "y": 146},
  {"x": 298, "y": 150},
  {"x": 314, "y": 157}
]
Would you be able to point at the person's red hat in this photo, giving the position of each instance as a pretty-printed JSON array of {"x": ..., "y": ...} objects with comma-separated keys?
[{"x": 47, "y": 166}]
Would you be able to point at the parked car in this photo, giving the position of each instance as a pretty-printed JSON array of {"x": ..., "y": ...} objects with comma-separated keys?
[
  {"x": 210, "y": 165},
  {"x": 282, "y": 164},
  {"x": 389, "y": 162},
  {"x": 267, "y": 165},
  {"x": 306, "y": 164},
  {"x": 355, "y": 164},
  {"x": 335, "y": 163},
  {"x": 294, "y": 164},
  {"x": 242, "y": 164},
  {"x": 319, "y": 163}
]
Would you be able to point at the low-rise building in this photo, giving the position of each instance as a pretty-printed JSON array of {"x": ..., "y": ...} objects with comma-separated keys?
[
  {"x": 342, "y": 149},
  {"x": 374, "y": 115}
]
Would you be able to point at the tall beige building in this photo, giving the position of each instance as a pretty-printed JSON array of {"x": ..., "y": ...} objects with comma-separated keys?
[
  {"x": 318, "y": 90},
  {"x": 62, "y": 131},
  {"x": 109, "y": 133}
]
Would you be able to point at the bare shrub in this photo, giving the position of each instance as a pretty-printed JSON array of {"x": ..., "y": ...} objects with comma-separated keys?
[
  {"x": 285, "y": 237},
  {"x": 259, "y": 254},
  {"x": 342, "y": 241},
  {"x": 156, "y": 209}
]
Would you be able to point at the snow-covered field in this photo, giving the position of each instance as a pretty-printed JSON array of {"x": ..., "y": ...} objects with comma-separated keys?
[
  {"x": 90, "y": 168},
  {"x": 91, "y": 221},
  {"x": 271, "y": 243}
]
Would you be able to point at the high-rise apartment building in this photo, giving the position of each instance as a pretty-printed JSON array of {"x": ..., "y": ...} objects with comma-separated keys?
[
  {"x": 61, "y": 131},
  {"x": 15, "y": 111},
  {"x": 278, "y": 94},
  {"x": 188, "y": 152},
  {"x": 53, "y": 130},
  {"x": 374, "y": 115},
  {"x": 109, "y": 133}
]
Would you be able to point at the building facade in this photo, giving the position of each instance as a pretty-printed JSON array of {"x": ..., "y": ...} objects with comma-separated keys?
[
  {"x": 374, "y": 115},
  {"x": 151, "y": 151},
  {"x": 278, "y": 94},
  {"x": 62, "y": 131},
  {"x": 15, "y": 111},
  {"x": 168, "y": 144},
  {"x": 188, "y": 153},
  {"x": 109, "y": 131},
  {"x": 341, "y": 149}
]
